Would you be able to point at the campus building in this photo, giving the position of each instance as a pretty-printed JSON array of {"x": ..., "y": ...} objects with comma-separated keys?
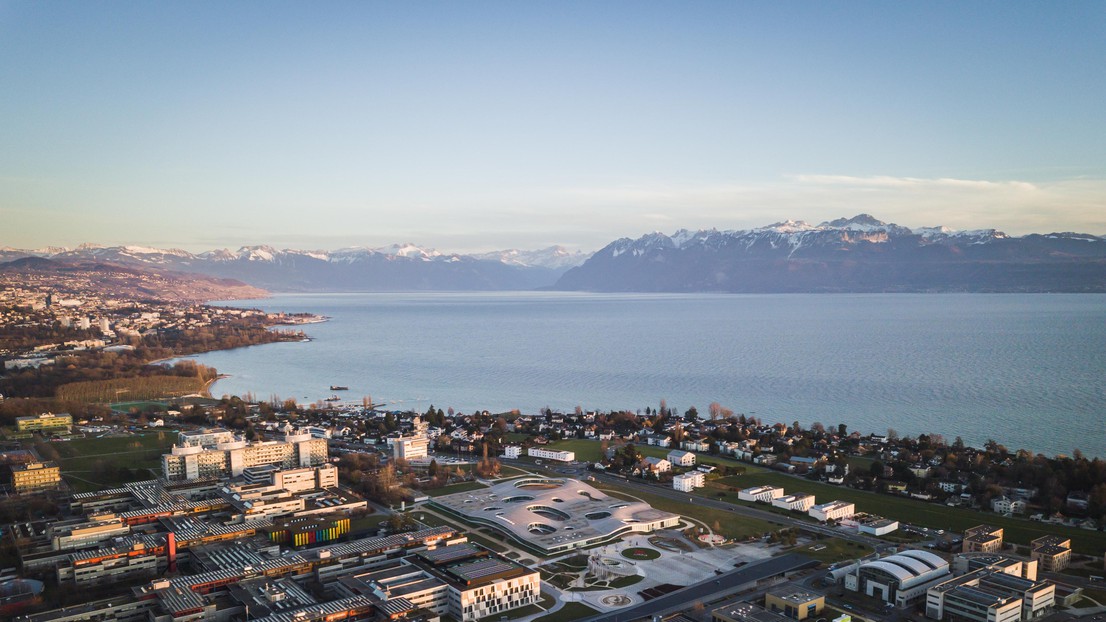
[
  {"x": 834, "y": 510},
  {"x": 794, "y": 602},
  {"x": 35, "y": 477},
  {"x": 760, "y": 493},
  {"x": 982, "y": 539},
  {"x": 410, "y": 447},
  {"x": 901, "y": 579},
  {"x": 990, "y": 596},
  {"x": 219, "y": 454},
  {"x": 1052, "y": 553},
  {"x": 46, "y": 422},
  {"x": 460, "y": 580},
  {"x": 801, "y": 502},
  {"x": 554, "y": 515}
]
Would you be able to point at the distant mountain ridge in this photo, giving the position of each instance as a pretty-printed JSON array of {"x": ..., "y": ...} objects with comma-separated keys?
[
  {"x": 859, "y": 254},
  {"x": 111, "y": 280},
  {"x": 390, "y": 268}
]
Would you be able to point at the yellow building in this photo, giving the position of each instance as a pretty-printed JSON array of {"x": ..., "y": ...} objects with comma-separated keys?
[
  {"x": 35, "y": 476},
  {"x": 44, "y": 422},
  {"x": 794, "y": 601}
]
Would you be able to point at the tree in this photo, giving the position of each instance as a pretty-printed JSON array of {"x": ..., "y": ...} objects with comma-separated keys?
[{"x": 715, "y": 410}]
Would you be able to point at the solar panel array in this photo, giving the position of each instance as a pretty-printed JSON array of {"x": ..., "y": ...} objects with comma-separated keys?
[
  {"x": 481, "y": 569},
  {"x": 445, "y": 554}
]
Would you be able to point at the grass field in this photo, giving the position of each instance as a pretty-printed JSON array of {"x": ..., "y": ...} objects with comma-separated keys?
[
  {"x": 586, "y": 450},
  {"x": 571, "y": 611},
  {"x": 833, "y": 550},
  {"x": 452, "y": 488},
  {"x": 931, "y": 515},
  {"x": 723, "y": 522},
  {"x": 94, "y": 463},
  {"x": 925, "y": 514}
]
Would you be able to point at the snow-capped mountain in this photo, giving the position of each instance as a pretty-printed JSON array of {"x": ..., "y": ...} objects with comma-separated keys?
[
  {"x": 553, "y": 258},
  {"x": 394, "y": 267},
  {"x": 847, "y": 254}
]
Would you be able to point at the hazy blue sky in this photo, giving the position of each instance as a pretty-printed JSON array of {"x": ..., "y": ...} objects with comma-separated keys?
[{"x": 484, "y": 125}]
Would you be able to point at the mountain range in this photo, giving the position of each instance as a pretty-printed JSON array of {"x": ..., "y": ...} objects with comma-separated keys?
[
  {"x": 391, "y": 268},
  {"x": 859, "y": 254}
]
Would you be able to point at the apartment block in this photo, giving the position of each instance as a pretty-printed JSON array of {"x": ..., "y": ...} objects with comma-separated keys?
[
  {"x": 1052, "y": 553},
  {"x": 550, "y": 454},
  {"x": 982, "y": 539},
  {"x": 686, "y": 482}
]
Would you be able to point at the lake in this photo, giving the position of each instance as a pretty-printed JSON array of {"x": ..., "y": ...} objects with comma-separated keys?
[{"x": 1025, "y": 370}]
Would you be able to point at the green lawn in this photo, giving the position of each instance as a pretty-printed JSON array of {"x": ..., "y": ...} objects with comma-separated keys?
[
  {"x": 833, "y": 550},
  {"x": 922, "y": 513},
  {"x": 726, "y": 523},
  {"x": 933, "y": 515},
  {"x": 571, "y": 611},
  {"x": 452, "y": 488},
  {"x": 586, "y": 450},
  {"x": 95, "y": 463}
]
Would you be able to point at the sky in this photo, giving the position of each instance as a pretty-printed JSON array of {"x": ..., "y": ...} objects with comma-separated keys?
[{"x": 475, "y": 126}]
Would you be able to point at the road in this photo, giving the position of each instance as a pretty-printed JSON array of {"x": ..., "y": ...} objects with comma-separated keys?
[{"x": 710, "y": 589}]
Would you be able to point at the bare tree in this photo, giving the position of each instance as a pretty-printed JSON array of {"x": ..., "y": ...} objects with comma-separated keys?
[{"x": 715, "y": 410}]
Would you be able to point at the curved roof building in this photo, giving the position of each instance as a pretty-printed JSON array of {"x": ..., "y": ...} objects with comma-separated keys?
[
  {"x": 902, "y": 578},
  {"x": 553, "y": 514}
]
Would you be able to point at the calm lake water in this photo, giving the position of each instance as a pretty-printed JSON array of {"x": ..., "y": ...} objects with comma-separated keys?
[{"x": 1025, "y": 370}]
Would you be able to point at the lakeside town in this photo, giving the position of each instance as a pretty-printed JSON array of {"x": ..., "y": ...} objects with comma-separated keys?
[{"x": 137, "y": 498}]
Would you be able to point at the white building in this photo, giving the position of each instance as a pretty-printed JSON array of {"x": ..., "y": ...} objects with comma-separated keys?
[
  {"x": 681, "y": 458},
  {"x": 658, "y": 465},
  {"x": 551, "y": 454},
  {"x": 686, "y": 482},
  {"x": 834, "y": 510},
  {"x": 988, "y": 595},
  {"x": 1006, "y": 505},
  {"x": 760, "y": 493},
  {"x": 219, "y": 453},
  {"x": 797, "y": 503},
  {"x": 410, "y": 447},
  {"x": 512, "y": 451},
  {"x": 901, "y": 579}
]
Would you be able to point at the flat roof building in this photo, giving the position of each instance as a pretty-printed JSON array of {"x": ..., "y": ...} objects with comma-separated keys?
[
  {"x": 44, "y": 422},
  {"x": 35, "y": 477},
  {"x": 982, "y": 539},
  {"x": 794, "y": 601}
]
